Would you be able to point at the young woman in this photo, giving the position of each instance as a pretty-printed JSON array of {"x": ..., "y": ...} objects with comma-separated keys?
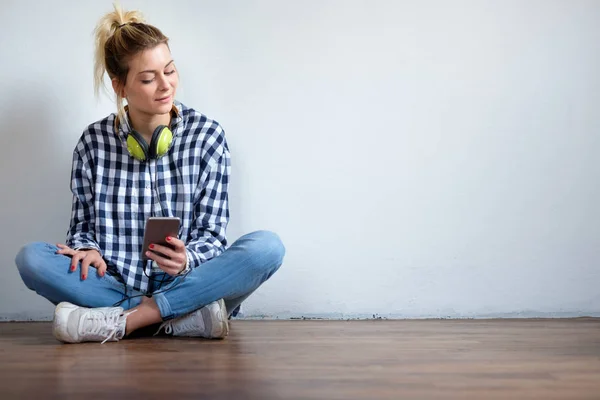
[{"x": 155, "y": 157}]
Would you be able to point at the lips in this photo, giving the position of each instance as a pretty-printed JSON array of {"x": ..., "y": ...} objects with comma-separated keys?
[{"x": 163, "y": 99}]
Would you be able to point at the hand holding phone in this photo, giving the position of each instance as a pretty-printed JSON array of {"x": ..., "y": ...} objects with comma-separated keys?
[
  {"x": 156, "y": 232},
  {"x": 168, "y": 255}
]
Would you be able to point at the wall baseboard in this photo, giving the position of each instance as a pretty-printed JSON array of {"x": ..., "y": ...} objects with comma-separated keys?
[{"x": 41, "y": 317}]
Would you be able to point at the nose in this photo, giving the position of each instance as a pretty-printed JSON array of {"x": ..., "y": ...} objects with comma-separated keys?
[{"x": 163, "y": 83}]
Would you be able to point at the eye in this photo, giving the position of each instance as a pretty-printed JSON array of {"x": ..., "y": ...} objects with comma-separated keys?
[
  {"x": 147, "y": 82},
  {"x": 170, "y": 72}
]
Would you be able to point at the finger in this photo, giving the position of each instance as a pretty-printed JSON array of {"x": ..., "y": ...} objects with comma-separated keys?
[
  {"x": 101, "y": 267},
  {"x": 75, "y": 260},
  {"x": 164, "y": 250},
  {"x": 66, "y": 250},
  {"x": 164, "y": 255},
  {"x": 170, "y": 266},
  {"x": 171, "y": 270},
  {"x": 177, "y": 244},
  {"x": 85, "y": 263},
  {"x": 158, "y": 258}
]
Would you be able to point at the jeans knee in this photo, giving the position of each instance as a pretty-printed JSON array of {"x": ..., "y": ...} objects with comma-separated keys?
[
  {"x": 269, "y": 247},
  {"x": 30, "y": 259}
]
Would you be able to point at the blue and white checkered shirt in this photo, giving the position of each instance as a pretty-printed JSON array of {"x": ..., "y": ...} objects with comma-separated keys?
[{"x": 114, "y": 194}]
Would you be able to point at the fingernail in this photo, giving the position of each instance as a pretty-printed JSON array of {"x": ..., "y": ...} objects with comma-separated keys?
[
  {"x": 151, "y": 246},
  {"x": 169, "y": 238},
  {"x": 83, "y": 277},
  {"x": 72, "y": 268},
  {"x": 101, "y": 273}
]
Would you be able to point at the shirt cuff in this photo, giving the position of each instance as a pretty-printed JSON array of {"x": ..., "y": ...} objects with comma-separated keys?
[
  {"x": 193, "y": 260},
  {"x": 86, "y": 247}
]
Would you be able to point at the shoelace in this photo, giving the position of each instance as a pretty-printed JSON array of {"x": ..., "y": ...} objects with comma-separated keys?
[
  {"x": 168, "y": 328},
  {"x": 105, "y": 323},
  {"x": 185, "y": 324}
]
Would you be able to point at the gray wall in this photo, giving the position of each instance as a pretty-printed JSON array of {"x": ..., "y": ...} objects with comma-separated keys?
[{"x": 419, "y": 158}]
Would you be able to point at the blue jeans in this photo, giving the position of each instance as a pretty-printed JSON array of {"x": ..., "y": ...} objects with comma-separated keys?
[{"x": 232, "y": 276}]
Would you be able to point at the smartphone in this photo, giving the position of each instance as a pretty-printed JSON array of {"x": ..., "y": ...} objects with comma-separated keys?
[{"x": 156, "y": 231}]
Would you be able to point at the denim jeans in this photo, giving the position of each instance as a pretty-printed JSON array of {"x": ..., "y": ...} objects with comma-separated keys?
[{"x": 232, "y": 276}]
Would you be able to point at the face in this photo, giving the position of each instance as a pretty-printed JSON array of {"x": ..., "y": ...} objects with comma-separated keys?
[{"x": 152, "y": 81}]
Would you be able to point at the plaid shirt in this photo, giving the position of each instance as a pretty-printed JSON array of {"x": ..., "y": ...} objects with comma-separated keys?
[{"x": 114, "y": 194}]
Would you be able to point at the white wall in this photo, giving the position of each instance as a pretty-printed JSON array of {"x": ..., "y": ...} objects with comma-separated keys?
[{"x": 419, "y": 159}]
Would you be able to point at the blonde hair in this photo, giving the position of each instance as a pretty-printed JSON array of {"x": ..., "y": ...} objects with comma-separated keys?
[{"x": 120, "y": 35}]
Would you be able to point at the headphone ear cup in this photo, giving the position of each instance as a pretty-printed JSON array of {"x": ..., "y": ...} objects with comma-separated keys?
[
  {"x": 161, "y": 141},
  {"x": 137, "y": 146}
]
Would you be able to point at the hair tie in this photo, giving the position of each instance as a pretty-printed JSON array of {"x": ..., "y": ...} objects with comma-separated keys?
[{"x": 122, "y": 25}]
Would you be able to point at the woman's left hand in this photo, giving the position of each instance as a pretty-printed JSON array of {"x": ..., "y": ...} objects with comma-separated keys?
[{"x": 176, "y": 257}]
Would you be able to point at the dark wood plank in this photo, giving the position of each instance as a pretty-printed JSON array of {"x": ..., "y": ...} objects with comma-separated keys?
[{"x": 437, "y": 359}]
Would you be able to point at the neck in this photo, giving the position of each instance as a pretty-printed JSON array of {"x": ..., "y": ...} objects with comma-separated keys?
[{"x": 145, "y": 124}]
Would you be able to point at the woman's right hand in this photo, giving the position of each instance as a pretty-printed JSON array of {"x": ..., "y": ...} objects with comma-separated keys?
[{"x": 86, "y": 257}]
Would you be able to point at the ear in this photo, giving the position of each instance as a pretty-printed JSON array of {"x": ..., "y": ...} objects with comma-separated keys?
[{"x": 115, "y": 85}]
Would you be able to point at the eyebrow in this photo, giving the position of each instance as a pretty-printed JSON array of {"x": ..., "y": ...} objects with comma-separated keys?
[{"x": 153, "y": 71}]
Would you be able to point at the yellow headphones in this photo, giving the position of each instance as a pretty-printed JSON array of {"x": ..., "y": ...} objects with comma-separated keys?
[{"x": 158, "y": 147}]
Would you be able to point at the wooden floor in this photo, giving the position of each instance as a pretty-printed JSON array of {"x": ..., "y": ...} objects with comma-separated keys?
[{"x": 432, "y": 359}]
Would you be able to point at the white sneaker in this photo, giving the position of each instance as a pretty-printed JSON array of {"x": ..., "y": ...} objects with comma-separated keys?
[
  {"x": 209, "y": 322},
  {"x": 74, "y": 324}
]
